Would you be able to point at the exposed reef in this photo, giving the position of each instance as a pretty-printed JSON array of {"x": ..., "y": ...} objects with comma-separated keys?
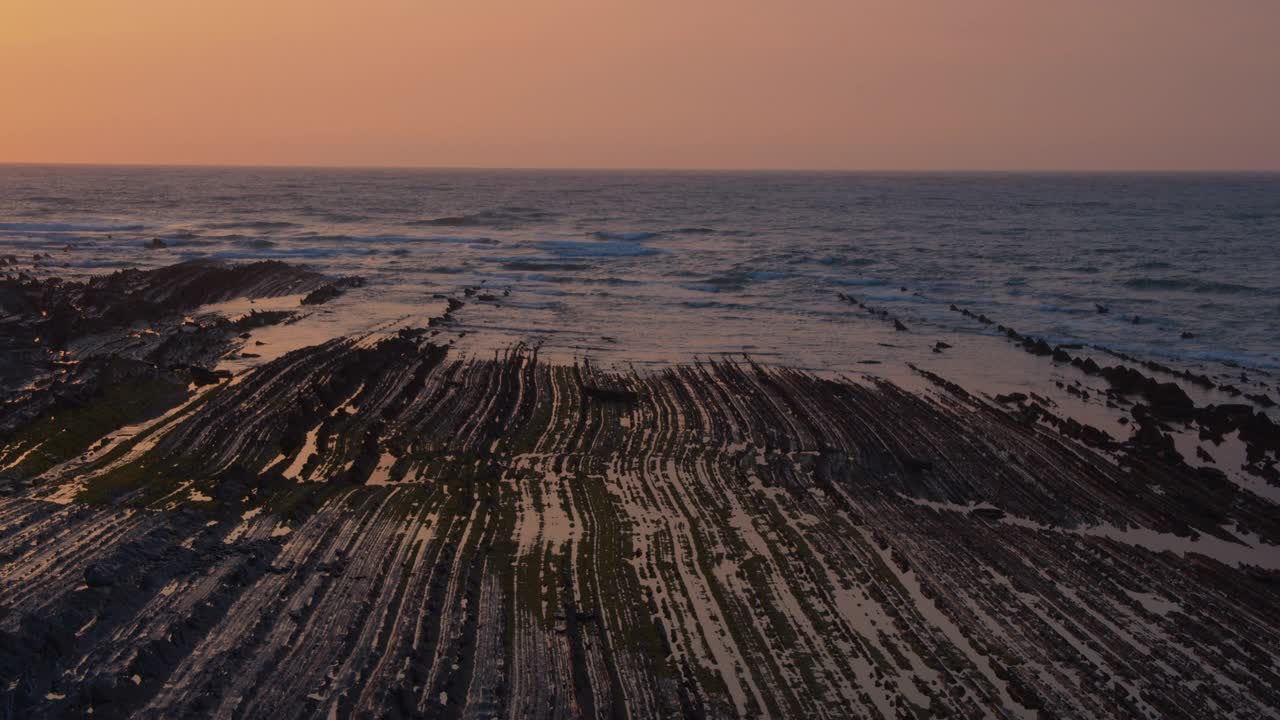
[
  {"x": 86, "y": 358},
  {"x": 1155, "y": 405}
]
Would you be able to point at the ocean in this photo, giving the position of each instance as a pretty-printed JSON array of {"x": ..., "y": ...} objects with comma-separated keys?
[
  {"x": 658, "y": 267},
  {"x": 644, "y": 444}
]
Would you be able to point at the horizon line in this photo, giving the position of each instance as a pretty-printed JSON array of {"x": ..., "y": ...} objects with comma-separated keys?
[{"x": 660, "y": 169}]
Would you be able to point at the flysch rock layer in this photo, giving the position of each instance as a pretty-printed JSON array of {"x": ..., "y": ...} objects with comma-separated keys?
[{"x": 384, "y": 527}]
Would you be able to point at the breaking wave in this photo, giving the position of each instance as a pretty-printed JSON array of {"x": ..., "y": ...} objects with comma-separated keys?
[
  {"x": 1185, "y": 284},
  {"x": 66, "y": 227},
  {"x": 499, "y": 217},
  {"x": 627, "y": 237},
  {"x": 251, "y": 225},
  {"x": 609, "y": 248}
]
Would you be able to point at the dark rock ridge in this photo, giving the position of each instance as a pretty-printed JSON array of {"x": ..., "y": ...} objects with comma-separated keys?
[{"x": 54, "y": 311}]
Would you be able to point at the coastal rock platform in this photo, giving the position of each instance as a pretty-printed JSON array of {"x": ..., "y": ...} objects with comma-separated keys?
[{"x": 381, "y": 525}]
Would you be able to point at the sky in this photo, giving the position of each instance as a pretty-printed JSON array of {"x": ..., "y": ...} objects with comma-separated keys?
[{"x": 734, "y": 84}]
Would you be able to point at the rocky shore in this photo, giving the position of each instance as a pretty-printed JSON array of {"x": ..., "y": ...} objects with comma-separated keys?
[{"x": 384, "y": 526}]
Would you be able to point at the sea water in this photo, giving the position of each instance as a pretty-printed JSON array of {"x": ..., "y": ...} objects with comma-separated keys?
[{"x": 656, "y": 267}]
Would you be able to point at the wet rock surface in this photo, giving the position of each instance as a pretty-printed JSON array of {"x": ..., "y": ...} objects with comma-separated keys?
[
  {"x": 81, "y": 359},
  {"x": 381, "y": 526},
  {"x": 41, "y": 317}
]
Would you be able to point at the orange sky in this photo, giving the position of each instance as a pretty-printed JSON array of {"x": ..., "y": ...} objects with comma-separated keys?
[{"x": 873, "y": 84}]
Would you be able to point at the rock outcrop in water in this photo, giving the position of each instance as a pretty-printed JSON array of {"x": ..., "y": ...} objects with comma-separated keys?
[
  {"x": 51, "y": 313},
  {"x": 381, "y": 527}
]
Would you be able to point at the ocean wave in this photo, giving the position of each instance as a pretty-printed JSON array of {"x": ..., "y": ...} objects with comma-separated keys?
[
  {"x": 189, "y": 241},
  {"x": 95, "y": 264},
  {"x": 896, "y": 297},
  {"x": 692, "y": 231},
  {"x": 1186, "y": 284},
  {"x": 607, "y": 248},
  {"x": 847, "y": 262},
  {"x": 334, "y": 217},
  {"x": 66, "y": 227},
  {"x": 318, "y": 237},
  {"x": 1248, "y": 215},
  {"x": 402, "y": 239},
  {"x": 534, "y": 266},
  {"x": 49, "y": 199},
  {"x": 1051, "y": 308},
  {"x": 452, "y": 239},
  {"x": 449, "y": 221},
  {"x": 545, "y": 305},
  {"x": 548, "y": 291},
  {"x": 627, "y": 237},
  {"x": 526, "y": 211},
  {"x": 733, "y": 280},
  {"x": 251, "y": 225},
  {"x": 701, "y": 304},
  {"x": 498, "y": 217},
  {"x": 858, "y": 282},
  {"x": 256, "y": 243},
  {"x": 303, "y": 253}
]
